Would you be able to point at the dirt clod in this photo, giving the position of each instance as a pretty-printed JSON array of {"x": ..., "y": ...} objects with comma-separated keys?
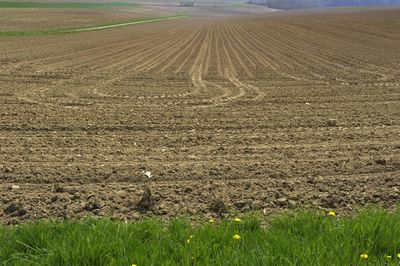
[
  {"x": 8, "y": 170},
  {"x": 381, "y": 161},
  {"x": 58, "y": 188},
  {"x": 291, "y": 203},
  {"x": 256, "y": 205},
  {"x": 332, "y": 201},
  {"x": 146, "y": 202},
  {"x": 218, "y": 206},
  {"x": 121, "y": 194},
  {"x": 239, "y": 204},
  {"x": 14, "y": 209},
  {"x": 281, "y": 201},
  {"x": 188, "y": 189},
  {"x": 92, "y": 204},
  {"x": 332, "y": 122}
]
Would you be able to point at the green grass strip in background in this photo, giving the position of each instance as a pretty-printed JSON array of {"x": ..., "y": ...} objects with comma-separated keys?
[{"x": 93, "y": 28}]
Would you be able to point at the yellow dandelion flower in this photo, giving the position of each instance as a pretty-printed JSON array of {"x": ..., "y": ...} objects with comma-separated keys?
[
  {"x": 237, "y": 219},
  {"x": 331, "y": 213},
  {"x": 388, "y": 257},
  {"x": 364, "y": 256},
  {"x": 236, "y": 237},
  {"x": 398, "y": 255},
  {"x": 134, "y": 264},
  {"x": 190, "y": 238},
  {"x": 211, "y": 221}
]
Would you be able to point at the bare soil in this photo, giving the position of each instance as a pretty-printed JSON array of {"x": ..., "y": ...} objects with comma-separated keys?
[
  {"x": 36, "y": 19},
  {"x": 227, "y": 113}
]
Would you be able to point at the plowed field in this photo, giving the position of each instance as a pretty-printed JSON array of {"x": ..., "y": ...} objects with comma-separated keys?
[{"x": 231, "y": 109}]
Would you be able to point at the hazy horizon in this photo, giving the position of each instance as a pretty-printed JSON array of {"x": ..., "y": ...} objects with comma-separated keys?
[{"x": 284, "y": 3}]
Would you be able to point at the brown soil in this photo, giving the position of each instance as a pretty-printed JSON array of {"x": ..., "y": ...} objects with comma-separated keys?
[
  {"x": 34, "y": 19},
  {"x": 263, "y": 112}
]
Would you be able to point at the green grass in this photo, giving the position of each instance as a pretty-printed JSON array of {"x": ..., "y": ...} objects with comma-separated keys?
[
  {"x": 64, "y": 5},
  {"x": 91, "y": 28},
  {"x": 300, "y": 238}
]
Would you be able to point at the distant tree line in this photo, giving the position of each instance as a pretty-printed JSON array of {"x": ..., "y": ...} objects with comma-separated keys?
[
  {"x": 187, "y": 3},
  {"x": 293, "y": 4}
]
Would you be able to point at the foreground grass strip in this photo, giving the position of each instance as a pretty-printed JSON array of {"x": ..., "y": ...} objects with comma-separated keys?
[
  {"x": 102, "y": 27},
  {"x": 305, "y": 238},
  {"x": 64, "y": 5}
]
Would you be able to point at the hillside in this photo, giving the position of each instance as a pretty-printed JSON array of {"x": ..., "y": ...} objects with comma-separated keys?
[{"x": 295, "y": 4}]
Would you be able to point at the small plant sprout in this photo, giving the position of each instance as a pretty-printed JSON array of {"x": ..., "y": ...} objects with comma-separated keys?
[{"x": 388, "y": 257}]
